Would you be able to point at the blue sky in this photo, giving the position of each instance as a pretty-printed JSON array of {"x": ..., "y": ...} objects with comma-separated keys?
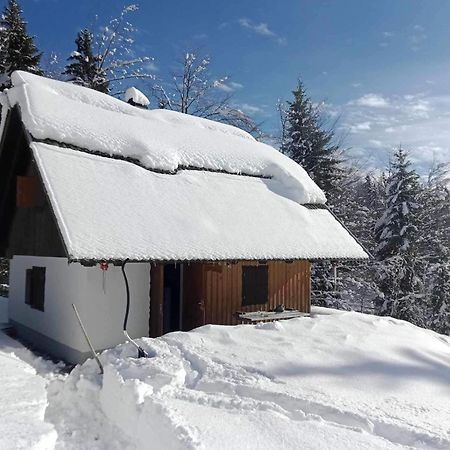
[{"x": 382, "y": 66}]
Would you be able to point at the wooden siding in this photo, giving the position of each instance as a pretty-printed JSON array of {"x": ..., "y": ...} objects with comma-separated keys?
[
  {"x": 219, "y": 288},
  {"x": 27, "y": 225},
  {"x": 33, "y": 226}
]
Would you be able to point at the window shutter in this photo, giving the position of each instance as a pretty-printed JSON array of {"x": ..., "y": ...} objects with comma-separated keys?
[
  {"x": 255, "y": 285},
  {"x": 35, "y": 288}
]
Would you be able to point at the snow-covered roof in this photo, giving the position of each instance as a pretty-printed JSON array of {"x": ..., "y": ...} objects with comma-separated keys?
[
  {"x": 111, "y": 209},
  {"x": 172, "y": 190},
  {"x": 157, "y": 139}
]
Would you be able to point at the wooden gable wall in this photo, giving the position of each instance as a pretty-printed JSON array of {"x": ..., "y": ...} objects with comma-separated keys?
[{"x": 27, "y": 225}]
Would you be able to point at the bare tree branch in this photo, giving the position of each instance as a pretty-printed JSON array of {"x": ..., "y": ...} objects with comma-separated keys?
[{"x": 193, "y": 90}]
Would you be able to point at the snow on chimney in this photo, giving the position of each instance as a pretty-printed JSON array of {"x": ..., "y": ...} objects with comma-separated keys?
[{"x": 135, "y": 97}]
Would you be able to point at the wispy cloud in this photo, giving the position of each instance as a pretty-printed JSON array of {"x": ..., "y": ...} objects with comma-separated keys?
[
  {"x": 414, "y": 37},
  {"x": 387, "y": 37},
  {"x": 262, "y": 29},
  {"x": 375, "y": 124},
  {"x": 151, "y": 67},
  {"x": 418, "y": 37},
  {"x": 372, "y": 101},
  {"x": 200, "y": 36},
  {"x": 251, "y": 109},
  {"x": 228, "y": 86}
]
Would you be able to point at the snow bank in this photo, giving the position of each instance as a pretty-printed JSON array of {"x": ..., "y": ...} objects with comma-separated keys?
[
  {"x": 111, "y": 209},
  {"x": 339, "y": 380},
  {"x": 158, "y": 139},
  {"x": 23, "y": 399}
]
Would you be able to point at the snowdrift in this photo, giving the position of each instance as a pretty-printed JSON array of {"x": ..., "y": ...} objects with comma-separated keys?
[{"x": 336, "y": 380}]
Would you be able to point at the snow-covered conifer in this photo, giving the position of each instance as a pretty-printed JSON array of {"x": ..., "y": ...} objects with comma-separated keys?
[
  {"x": 397, "y": 229},
  {"x": 397, "y": 234},
  {"x": 85, "y": 67},
  {"x": 17, "y": 48},
  {"x": 105, "y": 61},
  {"x": 440, "y": 299},
  {"x": 307, "y": 142}
]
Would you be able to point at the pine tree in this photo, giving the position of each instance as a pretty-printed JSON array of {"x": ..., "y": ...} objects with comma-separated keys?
[
  {"x": 398, "y": 227},
  {"x": 435, "y": 249},
  {"x": 85, "y": 68},
  {"x": 440, "y": 299},
  {"x": 18, "y": 51},
  {"x": 306, "y": 142},
  {"x": 435, "y": 218},
  {"x": 397, "y": 234},
  {"x": 104, "y": 61},
  {"x": 358, "y": 204}
]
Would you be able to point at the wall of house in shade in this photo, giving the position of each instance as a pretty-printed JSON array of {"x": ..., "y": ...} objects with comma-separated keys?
[
  {"x": 213, "y": 292},
  {"x": 101, "y": 304}
]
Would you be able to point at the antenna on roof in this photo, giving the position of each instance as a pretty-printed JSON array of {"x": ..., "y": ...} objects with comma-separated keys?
[{"x": 135, "y": 97}]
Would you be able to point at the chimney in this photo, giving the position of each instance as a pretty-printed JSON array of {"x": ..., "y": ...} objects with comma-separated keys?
[{"x": 135, "y": 97}]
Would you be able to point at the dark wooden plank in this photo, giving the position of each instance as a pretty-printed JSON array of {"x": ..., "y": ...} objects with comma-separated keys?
[{"x": 156, "y": 300}]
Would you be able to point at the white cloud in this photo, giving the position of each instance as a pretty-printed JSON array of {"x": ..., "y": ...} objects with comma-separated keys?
[
  {"x": 362, "y": 126},
  {"x": 375, "y": 143},
  {"x": 250, "y": 109},
  {"x": 376, "y": 124},
  {"x": 372, "y": 101},
  {"x": 200, "y": 36},
  {"x": 418, "y": 37},
  {"x": 262, "y": 29},
  {"x": 228, "y": 86},
  {"x": 151, "y": 67},
  {"x": 235, "y": 85},
  {"x": 387, "y": 36}
]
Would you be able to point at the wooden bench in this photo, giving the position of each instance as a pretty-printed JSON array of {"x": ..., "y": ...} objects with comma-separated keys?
[{"x": 268, "y": 316}]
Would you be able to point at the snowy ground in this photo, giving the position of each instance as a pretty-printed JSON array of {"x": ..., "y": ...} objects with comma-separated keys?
[
  {"x": 23, "y": 395},
  {"x": 337, "y": 380}
]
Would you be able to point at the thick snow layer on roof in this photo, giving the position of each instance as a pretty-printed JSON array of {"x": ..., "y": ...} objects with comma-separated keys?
[
  {"x": 113, "y": 209},
  {"x": 158, "y": 139},
  {"x": 335, "y": 380},
  {"x": 136, "y": 96}
]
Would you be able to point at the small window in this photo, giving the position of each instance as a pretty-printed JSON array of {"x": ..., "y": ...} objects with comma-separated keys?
[
  {"x": 255, "y": 285},
  {"x": 35, "y": 287}
]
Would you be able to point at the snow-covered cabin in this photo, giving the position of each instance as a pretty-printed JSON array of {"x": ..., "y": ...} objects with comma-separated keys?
[{"x": 211, "y": 221}]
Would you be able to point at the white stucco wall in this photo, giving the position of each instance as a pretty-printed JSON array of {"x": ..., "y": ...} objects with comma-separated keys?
[{"x": 101, "y": 312}]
